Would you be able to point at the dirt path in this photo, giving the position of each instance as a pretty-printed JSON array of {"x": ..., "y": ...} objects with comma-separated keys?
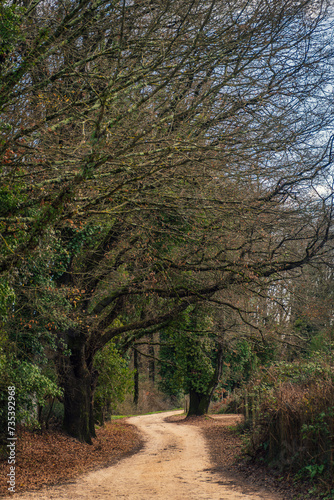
[{"x": 172, "y": 466}]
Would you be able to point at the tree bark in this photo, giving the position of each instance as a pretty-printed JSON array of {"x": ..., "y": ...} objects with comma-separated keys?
[
  {"x": 77, "y": 408},
  {"x": 199, "y": 402},
  {"x": 94, "y": 379},
  {"x": 136, "y": 377},
  {"x": 78, "y": 384}
]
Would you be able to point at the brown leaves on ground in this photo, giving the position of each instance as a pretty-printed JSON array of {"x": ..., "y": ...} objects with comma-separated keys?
[
  {"x": 53, "y": 457},
  {"x": 225, "y": 446}
]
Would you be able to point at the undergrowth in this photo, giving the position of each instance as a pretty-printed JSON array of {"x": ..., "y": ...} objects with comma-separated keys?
[{"x": 289, "y": 412}]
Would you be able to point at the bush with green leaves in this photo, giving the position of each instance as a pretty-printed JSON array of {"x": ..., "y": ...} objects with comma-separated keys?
[
  {"x": 114, "y": 382},
  {"x": 241, "y": 359},
  {"x": 7, "y": 298},
  {"x": 10, "y": 29},
  {"x": 33, "y": 389}
]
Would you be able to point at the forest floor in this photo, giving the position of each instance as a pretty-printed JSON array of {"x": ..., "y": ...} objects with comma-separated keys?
[
  {"x": 193, "y": 458},
  {"x": 51, "y": 457}
]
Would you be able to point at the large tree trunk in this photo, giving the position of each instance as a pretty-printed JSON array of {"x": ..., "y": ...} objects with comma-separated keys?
[
  {"x": 198, "y": 403},
  {"x": 77, "y": 407},
  {"x": 78, "y": 384}
]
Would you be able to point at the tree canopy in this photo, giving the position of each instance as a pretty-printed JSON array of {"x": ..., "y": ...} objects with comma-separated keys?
[{"x": 155, "y": 155}]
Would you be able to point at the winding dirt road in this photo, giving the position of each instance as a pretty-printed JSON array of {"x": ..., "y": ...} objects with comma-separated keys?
[{"x": 173, "y": 465}]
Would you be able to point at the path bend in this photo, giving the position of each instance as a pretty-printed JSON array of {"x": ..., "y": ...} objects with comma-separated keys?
[{"x": 173, "y": 465}]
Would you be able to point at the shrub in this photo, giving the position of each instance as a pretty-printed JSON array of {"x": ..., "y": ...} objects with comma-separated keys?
[
  {"x": 114, "y": 382},
  {"x": 293, "y": 418}
]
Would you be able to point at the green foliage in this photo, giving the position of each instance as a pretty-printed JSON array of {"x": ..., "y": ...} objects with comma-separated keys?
[
  {"x": 8, "y": 200},
  {"x": 44, "y": 305},
  {"x": 319, "y": 424},
  {"x": 314, "y": 470},
  {"x": 304, "y": 326},
  {"x": 12, "y": 232},
  {"x": 240, "y": 361},
  {"x": 68, "y": 243},
  {"x": 299, "y": 372},
  {"x": 7, "y": 298},
  {"x": 32, "y": 388},
  {"x": 114, "y": 382},
  {"x": 190, "y": 355},
  {"x": 320, "y": 345},
  {"x": 10, "y": 29}
]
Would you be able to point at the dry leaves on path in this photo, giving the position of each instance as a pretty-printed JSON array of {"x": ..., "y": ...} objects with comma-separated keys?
[{"x": 53, "y": 457}]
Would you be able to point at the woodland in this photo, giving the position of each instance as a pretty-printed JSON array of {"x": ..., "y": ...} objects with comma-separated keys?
[{"x": 167, "y": 180}]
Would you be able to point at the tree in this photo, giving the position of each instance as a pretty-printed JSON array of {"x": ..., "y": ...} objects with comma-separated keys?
[
  {"x": 180, "y": 137},
  {"x": 114, "y": 382},
  {"x": 58, "y": 90},
  {"x": 191, "y": 359}
]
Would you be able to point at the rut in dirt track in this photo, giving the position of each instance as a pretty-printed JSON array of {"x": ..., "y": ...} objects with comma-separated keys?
[{"x": 173, "y": 465}]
